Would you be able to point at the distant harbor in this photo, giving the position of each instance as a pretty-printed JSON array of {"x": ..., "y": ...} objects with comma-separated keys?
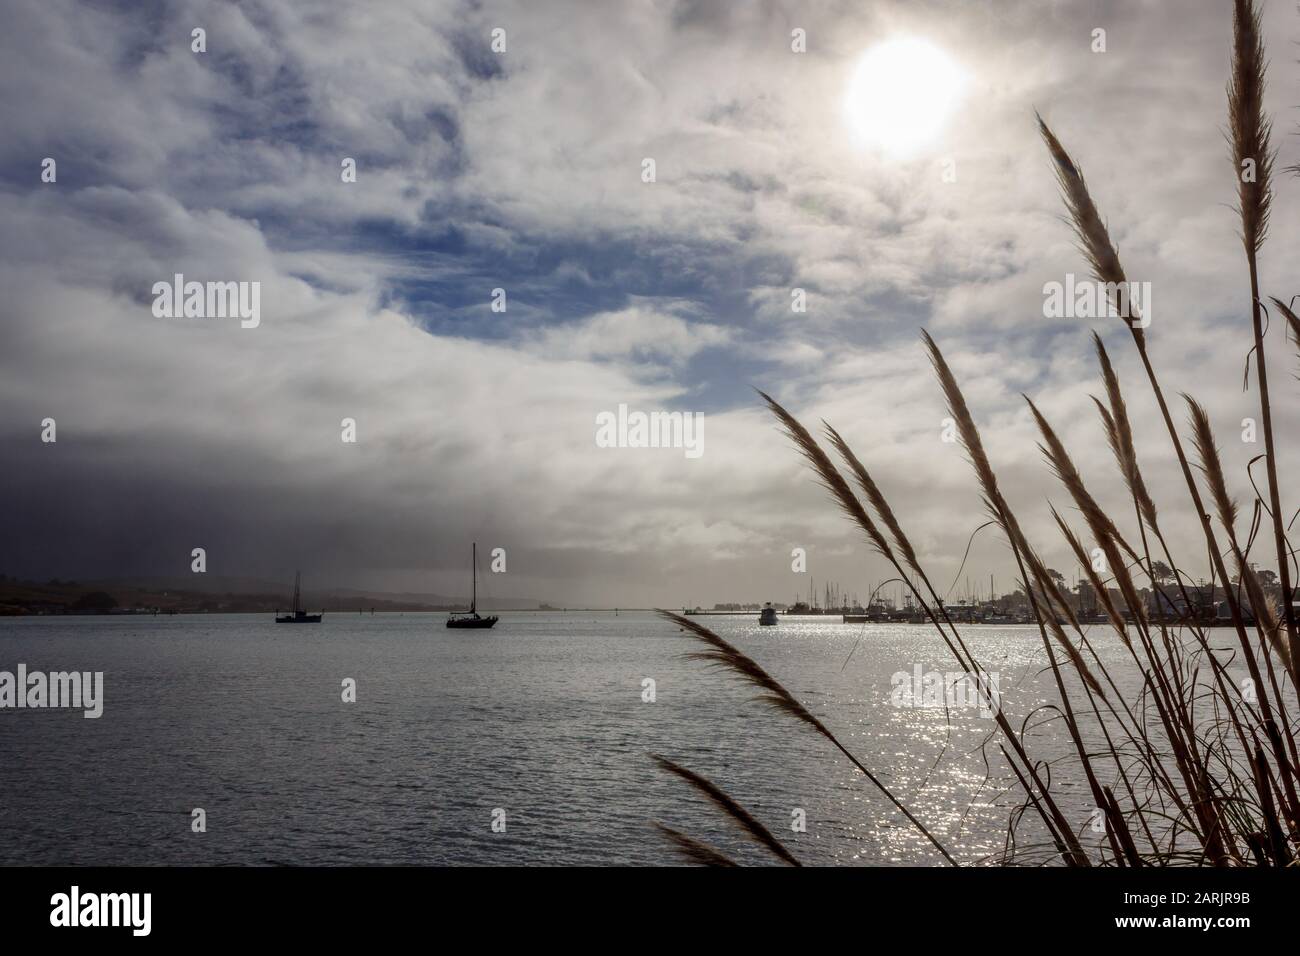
[{"x": 1202, "y": 604}]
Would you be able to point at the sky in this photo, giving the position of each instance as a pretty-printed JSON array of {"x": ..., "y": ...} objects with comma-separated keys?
[{"x": 522, "y": 170}]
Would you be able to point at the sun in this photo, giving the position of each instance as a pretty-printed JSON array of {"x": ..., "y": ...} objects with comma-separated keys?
[{"x": 901, "y": 94}]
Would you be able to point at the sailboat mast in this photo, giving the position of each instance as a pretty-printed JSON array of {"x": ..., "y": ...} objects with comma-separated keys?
[
  {"x": 473, "y": 600},
  {"x": 297, "y": 582}
]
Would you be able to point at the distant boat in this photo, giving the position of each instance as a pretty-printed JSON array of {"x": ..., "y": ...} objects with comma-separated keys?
[
  {"x": 299, "y": 616},
  {"x": 768, "y": 615},
  {"x": 471, "y": 618}
]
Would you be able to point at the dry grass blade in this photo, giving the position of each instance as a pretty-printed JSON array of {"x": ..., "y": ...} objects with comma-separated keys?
[
  {"x": 827, "y": 474},
  {"x": 1072, "y": 653},
  {"x": 1249, "y": 128},
  {"x": 969, "y": 434},
  {"x": 1269, "y": 623},
  {"x": 692, "y": 850},
  {"x": 1277, "y": 844},
  {"x": 1292, "y": 321},
  {"x": 723, "y": 654},
  {"x": 738, "y": 814},
  {"x": 1211, "y": 467},
  {"x": 1098, "y": 585},
  {"x": 873, "y": 494},
  {"x": 1063, "y": 466},
  {"x": 1089, "y": 229},
  {"x": 1119, "y": 433}
]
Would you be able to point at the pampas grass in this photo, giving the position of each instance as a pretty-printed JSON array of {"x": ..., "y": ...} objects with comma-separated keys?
[
  {"x": 1119, "y": 435},
  {"x": 1200, "y": 769},
  {"x": 1249, "y": 133},
  {"x": 1249, "y": 129}
]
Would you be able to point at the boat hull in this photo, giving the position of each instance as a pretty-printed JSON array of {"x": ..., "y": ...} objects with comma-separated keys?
[
  {"x": 477, "y": 623},
  {"x": 301, "y": 619}
]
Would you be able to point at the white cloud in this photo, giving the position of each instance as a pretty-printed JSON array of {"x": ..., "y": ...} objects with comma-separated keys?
[{"x": 524, "y": 169}]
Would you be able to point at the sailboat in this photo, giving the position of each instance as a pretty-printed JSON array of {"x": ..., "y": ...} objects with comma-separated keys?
[
  {"x": 298, "y": 616},
  {"x": 471, "y": 617}
]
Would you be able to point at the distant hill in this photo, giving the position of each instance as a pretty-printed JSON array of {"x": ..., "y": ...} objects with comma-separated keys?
[
  {"x": 215, "y": 593},
  {"x": 434, "y": 600}
]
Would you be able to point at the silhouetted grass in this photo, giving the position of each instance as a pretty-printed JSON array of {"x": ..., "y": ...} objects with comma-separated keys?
[{"x": 1196, "y": 770}]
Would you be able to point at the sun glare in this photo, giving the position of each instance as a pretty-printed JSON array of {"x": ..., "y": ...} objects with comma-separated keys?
[{"x": 901, "y": 93}]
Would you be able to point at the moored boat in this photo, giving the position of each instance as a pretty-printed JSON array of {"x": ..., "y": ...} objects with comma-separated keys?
[
  {"x": 298, "y": 615},
  {"x": 471, "y": 618}
]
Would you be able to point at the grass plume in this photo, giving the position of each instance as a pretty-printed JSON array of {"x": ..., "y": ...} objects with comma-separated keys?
[
  {"x": 722, "y": 654},
  {"x": 734, "y": 811},
  {"x": 1194, "y": 770},
  {"x": 1249, "y": 129}
]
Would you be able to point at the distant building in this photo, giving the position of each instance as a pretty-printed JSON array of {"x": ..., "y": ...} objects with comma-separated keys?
[
  {"x": 1169, "y": 601},
  {"x": 1087, "y": 597}
]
